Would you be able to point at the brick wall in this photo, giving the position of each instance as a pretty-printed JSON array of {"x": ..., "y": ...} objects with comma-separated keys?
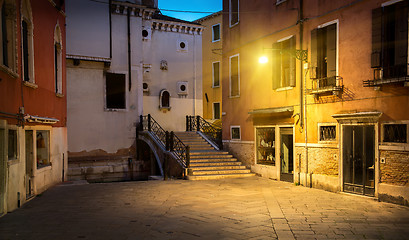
[
  {"x": 395, "y": 170},
  {"x": 321, "y": 160},
  {"x": 244, "y": 152}
]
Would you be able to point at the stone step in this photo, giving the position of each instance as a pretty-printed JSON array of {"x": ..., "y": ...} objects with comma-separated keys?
[
  {"x": 208, "y": 160},
  {"x": 202, "y": 148},
  {"x": 216, "y": 168},
  {"x": 220, "y": 176},
  {"x": 208, "y": 153},
  {"x": 212, "y": 157},
  {"x": 218, "y": 163},
  {"x": 219, "y": 171}
]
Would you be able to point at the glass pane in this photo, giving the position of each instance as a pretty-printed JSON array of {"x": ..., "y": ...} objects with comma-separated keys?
[
  {"x": 347, "y": 154},
  {"x": 12, "y": 144},
  {"x": 286, "y": 153},
  {"x": 43, "y": 148},
  {"x": 369, "y": 156},
  {"x": 265, "y": 140},
  {"x": 216, "y": 74},
  {"x": 358, "y": 155}
]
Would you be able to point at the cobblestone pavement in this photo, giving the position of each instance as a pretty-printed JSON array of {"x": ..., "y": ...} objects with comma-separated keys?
[{"x": 248, "y": 208}]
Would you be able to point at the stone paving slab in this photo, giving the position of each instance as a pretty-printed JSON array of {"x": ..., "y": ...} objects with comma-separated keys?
[{"x": 247, "y": 208}]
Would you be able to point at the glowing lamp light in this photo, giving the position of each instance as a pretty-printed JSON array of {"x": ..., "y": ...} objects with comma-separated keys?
[{"x": 263, "y": 60}]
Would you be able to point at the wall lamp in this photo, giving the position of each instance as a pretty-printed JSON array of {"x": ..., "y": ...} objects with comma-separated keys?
[{"x": 301, "y": 55}]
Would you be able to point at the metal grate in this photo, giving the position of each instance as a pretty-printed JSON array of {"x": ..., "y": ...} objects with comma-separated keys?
[
  {"x": 328, "y": 133},
  {"x": 395, "y": 133}
]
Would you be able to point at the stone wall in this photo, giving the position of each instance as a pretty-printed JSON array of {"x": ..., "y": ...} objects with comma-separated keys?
[
  {"x": 321, "y": 160},
  {"x": 243, "y": 151},
  {"x": 395, "y": 170}
]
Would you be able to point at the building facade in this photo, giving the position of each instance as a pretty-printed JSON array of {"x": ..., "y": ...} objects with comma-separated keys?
[
  {"x": 327, "y": 107},
  {"x": 212, "y": 56},
  {"x": 128, "y": 60},
  {"x": 33, "y": 133}
]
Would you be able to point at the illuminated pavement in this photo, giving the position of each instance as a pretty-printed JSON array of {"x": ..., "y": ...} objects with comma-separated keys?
[{"x": 247, "y": 208}]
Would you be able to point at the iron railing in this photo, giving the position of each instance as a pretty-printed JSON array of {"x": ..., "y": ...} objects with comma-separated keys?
[
  {"x": 332, "y": 85},
  {"x": 390, "y": 75},
  {"x": 168, "y": 139},
  {"x": 197, "y": 123}
]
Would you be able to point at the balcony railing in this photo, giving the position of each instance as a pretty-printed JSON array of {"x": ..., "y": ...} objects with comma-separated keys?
[
  {"x": 197, "y": 123},
  {"x": 388, "y": 75},
  {"x": 167, "y": 139},
  {"x": 328, "y": 85}
]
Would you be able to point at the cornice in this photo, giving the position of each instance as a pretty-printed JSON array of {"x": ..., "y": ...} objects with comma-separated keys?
[
  {"x": 169, "y": 26},
  {"x": 122, "y": 8}
]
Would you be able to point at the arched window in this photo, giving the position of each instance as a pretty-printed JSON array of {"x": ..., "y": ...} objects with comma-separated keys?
[
  {"x": 8, "y": 35},
  {"x": 164, "y": 99},
  {"x": 58, "y": 60},
  {"x": 27, "y": 41}
]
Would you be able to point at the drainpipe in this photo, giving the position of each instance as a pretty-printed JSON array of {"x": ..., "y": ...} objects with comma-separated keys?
[
  {"x": 129, "y": 49},
  {"x": 110, "y": 29},
  {"x": 194, "y": 74}
]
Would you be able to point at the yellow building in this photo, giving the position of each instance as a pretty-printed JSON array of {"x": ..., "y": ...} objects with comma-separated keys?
[{"x": 212, "y": 57}]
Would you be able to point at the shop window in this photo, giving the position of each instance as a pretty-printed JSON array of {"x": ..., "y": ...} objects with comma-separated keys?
[
  {"x": 43, "y": 148},
  {"x": 283, "y": 64},
  {"x": 164, "y": 99},
  {"x": 8, "y": 23},
  {"x": 216, "y": 32},
  {"x": 115, "y": 91},
  {"x": 235, "y": 132},
  {"x": 327, "y": 133},
  {"x": 395, "y": 133},
  {"x": 324, "y": 55},
  {"x": 234, "y": 76},
  {"x": 12, "y": 144},
  {"x": 27, "y": 43},
  {"x": 265, "y": 144},
  {"x": 216, "y": 110},
  {"x": 234, "y": 12},
  {"x": 216, "y": 74},
  {"x": 57, "y": 60}
]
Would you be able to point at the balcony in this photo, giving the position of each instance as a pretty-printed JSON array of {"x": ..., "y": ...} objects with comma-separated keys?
[
  {"x": 327, "y": 86},
  {"x": 391, "y": 75}
]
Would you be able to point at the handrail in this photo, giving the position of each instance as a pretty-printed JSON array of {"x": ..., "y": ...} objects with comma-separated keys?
[
  {"x": 327, "y": 84},
  {"x": 197, "y": 123},
  {"x": 168, "y": 139}
]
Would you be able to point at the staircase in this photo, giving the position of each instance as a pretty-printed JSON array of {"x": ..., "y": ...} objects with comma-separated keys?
[{"x": 208, "y": 163}]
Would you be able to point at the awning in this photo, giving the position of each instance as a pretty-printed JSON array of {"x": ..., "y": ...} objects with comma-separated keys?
[
  {"x": 37, "y": 119},
  {"x": 358, "y": 117},
  {"x": 278, "y": 110}
]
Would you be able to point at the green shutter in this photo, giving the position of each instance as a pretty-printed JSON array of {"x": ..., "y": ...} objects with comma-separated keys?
[
  {"x": 331, "y": 50},
  {"x": 401, "y": 39},
  {"x": 292, "y": 63},
  {"x": 376, "y": 38},
  {"x": 314, "y": 53},
  {"x": 276, "y": 61}
]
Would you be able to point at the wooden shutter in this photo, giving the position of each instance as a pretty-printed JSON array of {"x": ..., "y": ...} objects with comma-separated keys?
[
  {"x": 276, "y": 61},
  {"x": 376, "y": 55},
  {"x": 234, "y": 76},
  {"x": 331, "y": 50},
  {"x": 401, "y": 39},
  {"x": 292, "y": 63},
  {"x": 314, "y": 53}
]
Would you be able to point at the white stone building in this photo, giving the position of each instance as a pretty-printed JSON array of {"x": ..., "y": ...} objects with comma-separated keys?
[{"x": 125, "y": 60}]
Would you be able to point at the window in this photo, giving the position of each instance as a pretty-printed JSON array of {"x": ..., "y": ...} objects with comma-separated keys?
[
  {"x": 327, "y": 133},
  {"x": 115, "y": 91},
  {"x": 395, "y": 133},
  {"x": 234, "y": 12},
  {"x": 216, "y": 110},
  {"x": 27, "y": 42},
  {"x": 43, "y": 148},
  {"x": 164, "y": 99},
  {"x": 390, "y": 40},
  {"x": 216, "y": 33},
  {"x": 265, "y": 144},
  {"x": 235, "y": 132},
  {"x": 57, "y": 60},
  {"x": 324, "y": 55},
  {"x": 8, "y": 23},
  {"x": 283, "y": 64},
  {"x": 234, "y": 76},
  {"x": 12, "y": 144},
  {"x": 216, "y": 74}
]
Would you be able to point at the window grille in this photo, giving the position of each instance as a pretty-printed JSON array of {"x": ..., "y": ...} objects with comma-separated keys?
[
  {"x": 395, "y": 133},
  {"x": 328, "y": 133}
]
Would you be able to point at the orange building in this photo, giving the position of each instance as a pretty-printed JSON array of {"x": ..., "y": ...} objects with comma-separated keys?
[
  {"x": 33, "y": 135},
  {"x": 327, "y": 108}
]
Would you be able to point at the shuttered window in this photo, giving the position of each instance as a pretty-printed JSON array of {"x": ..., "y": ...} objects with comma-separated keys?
[
  {"x": 324, "y": 52},
  {"x": 390, "y": 39},
  {"x": 234, "y": 76},
  {"x": 283, "y": 64},
  {"x": 234, "y": 12}
]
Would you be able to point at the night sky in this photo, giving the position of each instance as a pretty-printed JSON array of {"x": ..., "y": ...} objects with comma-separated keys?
[{"x": 208, "y": 6}]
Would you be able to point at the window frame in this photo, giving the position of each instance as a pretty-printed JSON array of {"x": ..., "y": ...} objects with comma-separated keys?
[
  {"x": 258, "y": 143},
  {"x": 327, "y": 125},
  {"x": 161, "y": 99},
  {"x": 231, "y": 13},
  {"x": 231, "y": 132},
  {"x": 125, "y": 93},
  {"x": 238, "y": 76},
  {"x": 26, "y": 16},
  {"x": 214, "y": 112},
  {"x": 404, "y": 122},
  {"x": 213, "y": 39},
  {"x": 292, "y": 62},
  {"x": 213, "y": 75},
  {"x": 58, "y": 48},
  {"x": 48, "y": 148},
  {"x": 10, "y": 24},
  {"x": 17, "y": 145}
]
